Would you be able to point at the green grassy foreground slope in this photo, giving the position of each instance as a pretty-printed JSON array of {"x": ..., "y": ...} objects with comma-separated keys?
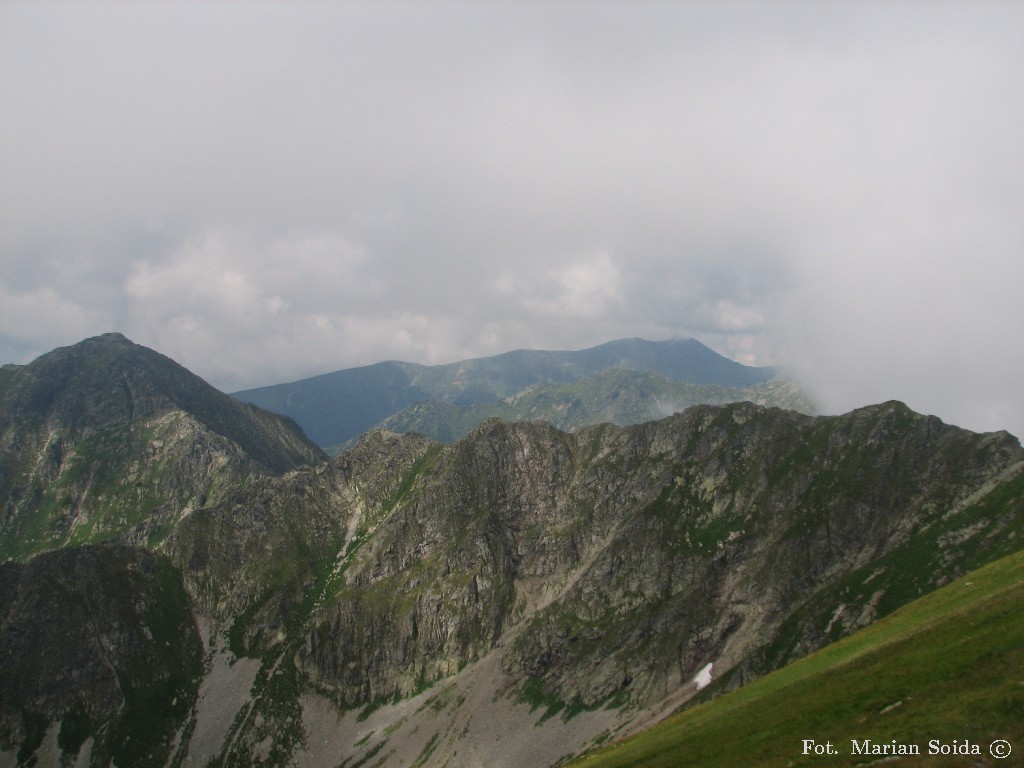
[{"x": 947, "y": 667}]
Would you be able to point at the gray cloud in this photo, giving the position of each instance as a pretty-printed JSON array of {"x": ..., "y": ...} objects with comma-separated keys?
[{"x": 267, "y": 191}]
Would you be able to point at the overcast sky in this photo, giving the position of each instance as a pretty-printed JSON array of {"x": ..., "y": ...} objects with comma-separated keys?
[{"x": 266, "y": 191}]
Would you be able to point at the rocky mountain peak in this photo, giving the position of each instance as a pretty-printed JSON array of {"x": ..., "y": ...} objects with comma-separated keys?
[{"x": 104, "y": 436}]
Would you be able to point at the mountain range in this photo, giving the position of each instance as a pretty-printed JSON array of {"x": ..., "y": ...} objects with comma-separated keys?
[
  {"x": 188, "y": 580},
  {"x": 335, "y": 408}
]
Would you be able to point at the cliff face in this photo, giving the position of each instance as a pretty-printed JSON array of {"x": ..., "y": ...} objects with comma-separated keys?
[
  {"x": 600, "y": 570},
  {"x": 626, "y": 559},
  {"x": 393, "y": 603},
  {"x": 746, "y": 517}
]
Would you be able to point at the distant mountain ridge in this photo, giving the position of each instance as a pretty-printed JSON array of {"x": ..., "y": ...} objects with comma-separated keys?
[
  {"x": 616, "y": 396},
  {"x": 334, "y": 408}
]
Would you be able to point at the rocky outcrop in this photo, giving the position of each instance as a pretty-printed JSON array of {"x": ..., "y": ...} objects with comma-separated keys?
[
  {"x": 626, "y": 559},
  {"x": 753, "y": 514},
  {"x": 238, "y": 554}
]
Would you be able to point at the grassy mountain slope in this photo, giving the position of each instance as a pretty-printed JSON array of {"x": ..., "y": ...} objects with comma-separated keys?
[
  {"x": 493, "y": 378},
  {"x": 337, "y": 407},
  {"x": 949, "y": 666}
]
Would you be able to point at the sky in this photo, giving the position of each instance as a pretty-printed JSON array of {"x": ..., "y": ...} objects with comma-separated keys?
[{"x": 267, "y": 191}]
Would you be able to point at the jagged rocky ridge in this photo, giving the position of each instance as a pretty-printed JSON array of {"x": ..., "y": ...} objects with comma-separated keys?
[
  {"x": 630, "y": 557},
  {"x": 592, "y": 573},
  {"x": 605, "y": 567}
]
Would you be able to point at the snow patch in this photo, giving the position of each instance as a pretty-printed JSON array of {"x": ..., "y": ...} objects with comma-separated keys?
[{"x": 703, "y": 678}]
